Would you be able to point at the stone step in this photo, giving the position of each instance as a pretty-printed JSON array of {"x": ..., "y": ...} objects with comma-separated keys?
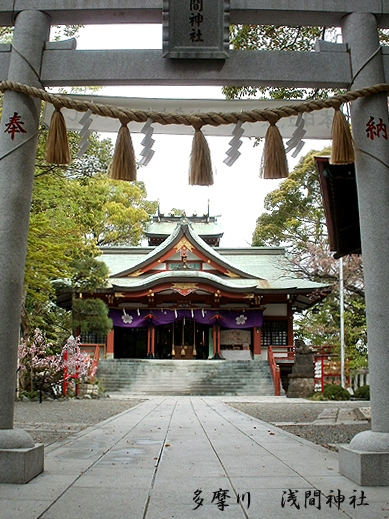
[{"x": 182, "y": 377}]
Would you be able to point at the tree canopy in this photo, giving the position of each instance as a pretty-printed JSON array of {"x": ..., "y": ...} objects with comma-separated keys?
[
  {"x": 282, "y": 38},
  {"x": 75, "y": 209},
  {"x": 294, "y": 218}
]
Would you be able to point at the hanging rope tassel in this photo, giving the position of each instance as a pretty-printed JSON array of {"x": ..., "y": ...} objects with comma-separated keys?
[
  {"x": 57, "y": 145},
  {"x": 274, "y": 163},
  {"x": 200, "y": 172},
  {"x": 123, "y": 165},
  {"x": 342, "y": 143}
]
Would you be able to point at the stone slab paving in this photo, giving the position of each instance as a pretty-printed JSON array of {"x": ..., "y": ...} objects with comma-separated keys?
[{"x": 189, "y": 457}]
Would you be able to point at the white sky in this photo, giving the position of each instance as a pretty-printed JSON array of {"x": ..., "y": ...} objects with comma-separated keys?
[{"x": 238, "y": 192}]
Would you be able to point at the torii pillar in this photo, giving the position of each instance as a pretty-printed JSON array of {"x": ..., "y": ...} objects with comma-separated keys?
[
  {"x": 366, "y": 459},
  {"x": 20, "y": 458}
]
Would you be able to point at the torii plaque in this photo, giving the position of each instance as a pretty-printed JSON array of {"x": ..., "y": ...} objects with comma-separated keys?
[{"x": 196, "y": 29}]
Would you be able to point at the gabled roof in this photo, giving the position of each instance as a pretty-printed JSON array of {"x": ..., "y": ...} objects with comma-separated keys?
[
  {"x": 236, "y": 270},
  {"x": 161, "y": 226},
  {"x": 182, "y": 236},
  {"x": 165, "y": 225}
]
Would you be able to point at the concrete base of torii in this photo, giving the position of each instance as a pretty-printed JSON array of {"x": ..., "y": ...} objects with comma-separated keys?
[
  {"x": 20, "y": 458},
  {"x": 363, "y": 461}
]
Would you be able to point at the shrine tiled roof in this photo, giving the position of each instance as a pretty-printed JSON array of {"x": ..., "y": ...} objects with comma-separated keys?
[
  {"x": 260, "y": 268},
  {"x": 271, "y": 263},
  {"x": 200, "y": 228},
  {"x": 179, "y": 276},
  {"x": 118, "y": 258},
  {"x": 150, "y": 254}
]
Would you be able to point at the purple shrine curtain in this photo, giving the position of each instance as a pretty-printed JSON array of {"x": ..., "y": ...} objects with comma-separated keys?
[{"x": 225, "y": 318}]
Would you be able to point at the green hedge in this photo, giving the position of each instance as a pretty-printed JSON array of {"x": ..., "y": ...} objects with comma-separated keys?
[
  {"x": 363, "y": 392},
  {"x": 335, "y": 392}
]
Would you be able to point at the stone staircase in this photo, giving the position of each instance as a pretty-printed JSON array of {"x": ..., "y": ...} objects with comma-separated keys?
[{"x": 186, "y": 377}]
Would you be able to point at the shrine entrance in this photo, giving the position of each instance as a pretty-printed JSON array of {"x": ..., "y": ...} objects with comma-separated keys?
[
  {"x": 183, "y": 339},
  {"x": 189, "y": 340},
  {"x": 130, "y": 343}
]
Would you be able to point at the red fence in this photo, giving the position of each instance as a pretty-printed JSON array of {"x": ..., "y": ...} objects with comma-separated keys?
[
  {"x": 275, "y": 371},
  {"x": 327, "y": 364}
]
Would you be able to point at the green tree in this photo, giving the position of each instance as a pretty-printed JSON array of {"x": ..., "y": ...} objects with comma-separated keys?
[
  {"x": 91, "y": 315},
  {"x": 275, "y": 38},
  {"x": 294, "y": 212},
  {"x": 294, "y": 217},
  {"x": 74, "y": 210},
  {"x": 282, "y": 38},
  {"x": 176, "y": 212},
  {"x": 110, "y": 212}
]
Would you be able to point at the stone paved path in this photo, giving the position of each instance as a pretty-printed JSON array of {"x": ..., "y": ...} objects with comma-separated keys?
[{"x": 160, "y": 459}]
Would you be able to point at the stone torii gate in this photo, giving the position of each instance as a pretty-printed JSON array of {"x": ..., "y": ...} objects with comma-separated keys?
[{"x": 357, "y": 62}]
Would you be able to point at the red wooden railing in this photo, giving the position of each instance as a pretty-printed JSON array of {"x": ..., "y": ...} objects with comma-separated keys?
[
  {"x": 275, "y": 371},
  {"x": 322, "y": 353},
  {"x": 283, "y": 352}
]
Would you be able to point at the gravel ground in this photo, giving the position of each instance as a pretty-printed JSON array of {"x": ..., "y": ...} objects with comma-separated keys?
[
  {"x": 327, "y": 435},
  {"x": 303, "y": 414},
  {"x": 286, "y": 411},
  {"x": 49, "y": 422}
]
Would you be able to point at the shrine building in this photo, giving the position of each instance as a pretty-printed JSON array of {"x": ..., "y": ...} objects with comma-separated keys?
[{"x": 185, "y": 297}]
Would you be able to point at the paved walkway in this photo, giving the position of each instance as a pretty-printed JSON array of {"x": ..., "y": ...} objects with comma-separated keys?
[{"x": 184, "y": 457}]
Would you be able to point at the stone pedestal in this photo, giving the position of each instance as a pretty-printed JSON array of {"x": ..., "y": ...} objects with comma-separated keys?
[
  {"x": 21, "y": 465},
  {"x": 20, "y": 458},
  {"x": 300, "y": 387},
  {"x": 366, "y": 460},
  {"x": 301, "y": 380}
]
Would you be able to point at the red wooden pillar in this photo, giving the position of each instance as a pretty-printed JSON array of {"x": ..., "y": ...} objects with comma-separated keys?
[
  {"x": 65, "y": 375},
  {"x": 153, "y": 340},
  {"x": 110, "y": 344},
  {"x": 150, "y": 341},
  {"x": 256, "y": 341},
  {"x": 216, "y": 341}
]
